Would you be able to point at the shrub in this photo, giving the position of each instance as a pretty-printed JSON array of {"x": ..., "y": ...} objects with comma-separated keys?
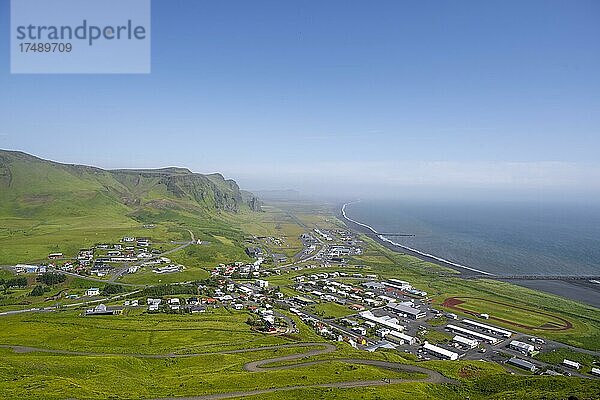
[{"x": 51, "y": 278}]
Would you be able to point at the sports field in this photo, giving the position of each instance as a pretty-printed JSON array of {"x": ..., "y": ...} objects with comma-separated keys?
[{"x": 511, "y": 314}]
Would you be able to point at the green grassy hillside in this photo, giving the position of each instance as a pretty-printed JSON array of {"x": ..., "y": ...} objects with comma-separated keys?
[{"x": 44, "y": 204}]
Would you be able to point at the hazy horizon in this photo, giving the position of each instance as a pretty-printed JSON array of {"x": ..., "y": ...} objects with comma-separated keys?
[{"x": 461, "y": 99}]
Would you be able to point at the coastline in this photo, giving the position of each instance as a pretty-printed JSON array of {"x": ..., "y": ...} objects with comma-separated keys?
[
  {"x": 390, "y": 244},
  {"x": 580, "y": 291}
]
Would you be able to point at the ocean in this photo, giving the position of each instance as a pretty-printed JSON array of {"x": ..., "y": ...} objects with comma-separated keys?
[{"x": 495, "y": 238}]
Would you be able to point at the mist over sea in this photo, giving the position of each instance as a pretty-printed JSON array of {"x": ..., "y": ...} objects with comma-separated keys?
[{"x": 499, "y": 238}]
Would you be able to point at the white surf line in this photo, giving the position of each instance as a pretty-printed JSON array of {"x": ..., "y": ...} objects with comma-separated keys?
[{"x": 406, "y": 247}]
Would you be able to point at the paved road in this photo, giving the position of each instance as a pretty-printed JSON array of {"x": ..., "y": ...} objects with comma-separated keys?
[
  {"x": 71, "y": 305},
  {"x": 47, "y": 309},
  {"x": 262, "y": 365}
]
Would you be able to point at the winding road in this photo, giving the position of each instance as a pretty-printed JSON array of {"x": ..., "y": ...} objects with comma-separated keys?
[{"x": 263, "y": 365}]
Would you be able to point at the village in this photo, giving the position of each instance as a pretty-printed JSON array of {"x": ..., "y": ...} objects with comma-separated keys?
[
  {"x": 361, "y": 309},
  {"x": 103, "y": 259}
]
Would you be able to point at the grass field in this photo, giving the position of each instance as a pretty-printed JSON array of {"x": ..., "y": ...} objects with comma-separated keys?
[
  {"x": 145, "y": 276},
  {"x": 557, "y": 356},
  {"x": 435, "y": 336},
  {"x": 134, "y": 332},
  {"x": 519, "y": 316},
  {"x": 331, "y": 310},
  {"x": 512, "y": 388},
  {"x": 128, "y": 377}
]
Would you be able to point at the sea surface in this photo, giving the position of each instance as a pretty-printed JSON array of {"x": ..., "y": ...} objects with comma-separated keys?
[{"x": 497, "y": 238}]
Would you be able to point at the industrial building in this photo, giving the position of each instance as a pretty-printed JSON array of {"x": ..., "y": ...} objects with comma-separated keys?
[
  {"x": 440, "y": 352},
  {"x": 571, "y": 364},
  {"x": 470, "y": 343},
  {"x": 406, "y": 310},
  {"x": 522, "y": 364},
  {"x": 387, "y": 322},
  {"x": 522, "y": 347},
  {"x": 401, "y": 338},
  {"x": 473, "y": 334},
  {"x": 489, "y": 328}
]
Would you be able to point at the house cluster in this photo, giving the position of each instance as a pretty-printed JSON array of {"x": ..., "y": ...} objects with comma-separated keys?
[
  {"x": 260, "y": 254},
  {"x": 126, "y": 252},
  {"x": 338, "y": 251},
  {"x": 324, "y": 235},
  {"x": 257, "y": 292},
  {"x": 308, "y": 240},
  {"x": 240, "y": 270},
  {"x": 85, "y": 257},
  {"x": 100, "y": 259},
  {"x": 223, "y": 292},
  {"x": 324, "y": 287},
  {"x": 269, "y": 322},
  {"x": 30, "y": 269},
  {"x": 275, "y": 241},
  {"x": 347, "y": 237},
  {"x": 328, "y": 330},
  {"x": 191, "y": 304},
  {"x": 254, "y": 252}
]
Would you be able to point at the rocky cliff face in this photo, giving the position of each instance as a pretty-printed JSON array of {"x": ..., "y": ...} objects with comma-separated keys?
[{"x": 173, "y": 187}]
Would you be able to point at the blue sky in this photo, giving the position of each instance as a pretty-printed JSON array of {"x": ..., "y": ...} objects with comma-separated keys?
[{"x": 315, "y": 95}]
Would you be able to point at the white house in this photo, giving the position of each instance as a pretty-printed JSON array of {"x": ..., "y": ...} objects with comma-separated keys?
[
  {"x": 174, "y": 304},
  {"x": 92, "y": 292},
  {"x": 133, "y": 269},
  {"x": 262, "y": 283},
  {"x": 571, "y": 364}
]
